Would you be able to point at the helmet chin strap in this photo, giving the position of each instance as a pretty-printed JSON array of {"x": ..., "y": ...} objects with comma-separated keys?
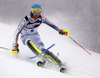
[{"x": 31, "y": 14}]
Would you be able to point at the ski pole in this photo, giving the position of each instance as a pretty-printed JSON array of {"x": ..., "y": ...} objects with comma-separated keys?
[
  {"x": 5, "y": 48},
  {"x": 79, "y": 45},
  {"x": 9, "y": 50}
]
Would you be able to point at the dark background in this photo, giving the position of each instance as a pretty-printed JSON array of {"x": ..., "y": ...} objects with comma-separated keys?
[{"x": 80, "y": 17}]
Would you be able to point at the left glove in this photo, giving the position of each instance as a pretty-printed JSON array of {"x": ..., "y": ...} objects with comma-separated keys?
[
  {"x": 15, "y": 48},
  {"x": 64, "y": 32}
]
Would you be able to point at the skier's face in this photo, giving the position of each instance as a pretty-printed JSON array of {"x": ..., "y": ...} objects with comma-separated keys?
[{"x": 36, "y": 14}]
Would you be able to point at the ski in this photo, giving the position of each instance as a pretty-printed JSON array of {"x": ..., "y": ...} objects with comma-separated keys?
[{"x": 42, "y": 52}]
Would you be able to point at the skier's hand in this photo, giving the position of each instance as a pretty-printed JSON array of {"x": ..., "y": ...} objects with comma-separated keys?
[
  {"x": 64, "y": 32},
  {"x": 15, "y": 48}
]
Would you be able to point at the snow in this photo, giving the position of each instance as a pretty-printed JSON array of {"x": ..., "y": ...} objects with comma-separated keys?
[{"x": 79, "y": 63}]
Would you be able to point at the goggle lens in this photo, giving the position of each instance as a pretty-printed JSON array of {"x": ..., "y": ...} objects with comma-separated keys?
[{"x": 36, "y": 13}]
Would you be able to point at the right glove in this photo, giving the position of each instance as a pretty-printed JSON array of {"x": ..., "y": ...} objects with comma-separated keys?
[
  {"x": 64, "y": 32},
  {"x": 15, "y": 48}
]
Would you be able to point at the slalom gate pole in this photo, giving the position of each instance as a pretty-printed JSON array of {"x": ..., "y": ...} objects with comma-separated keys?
[
  {"x": 42, "y": 52},
  {"x": 79, "y": 45}
]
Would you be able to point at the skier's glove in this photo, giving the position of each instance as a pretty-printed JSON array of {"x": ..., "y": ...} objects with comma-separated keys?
[
  {"x": 15, "y": 48},
  {"x": 64, "y": 32}
]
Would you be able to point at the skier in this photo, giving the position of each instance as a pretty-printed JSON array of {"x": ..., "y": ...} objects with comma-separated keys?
[{"x": 30, "y": 37}]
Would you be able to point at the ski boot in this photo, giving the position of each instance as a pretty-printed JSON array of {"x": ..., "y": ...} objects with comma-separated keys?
[
  {"x": 41, "y": 63},
  {"x": 62, "y": 68}
]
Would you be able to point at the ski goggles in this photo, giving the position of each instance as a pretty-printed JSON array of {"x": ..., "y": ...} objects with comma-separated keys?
[
  {"x": 36, "y": 13},
  {"x": 37, "y": 10}
]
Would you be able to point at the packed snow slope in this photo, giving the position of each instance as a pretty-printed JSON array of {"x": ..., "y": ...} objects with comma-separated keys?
[{"x": 79, "y": 63}]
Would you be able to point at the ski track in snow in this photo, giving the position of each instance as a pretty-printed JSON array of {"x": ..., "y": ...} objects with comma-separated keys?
[{"x": 79, "y": 63}]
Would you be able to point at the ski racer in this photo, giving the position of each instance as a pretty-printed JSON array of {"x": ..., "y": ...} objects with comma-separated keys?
[{"x": 30, "y": 37}]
